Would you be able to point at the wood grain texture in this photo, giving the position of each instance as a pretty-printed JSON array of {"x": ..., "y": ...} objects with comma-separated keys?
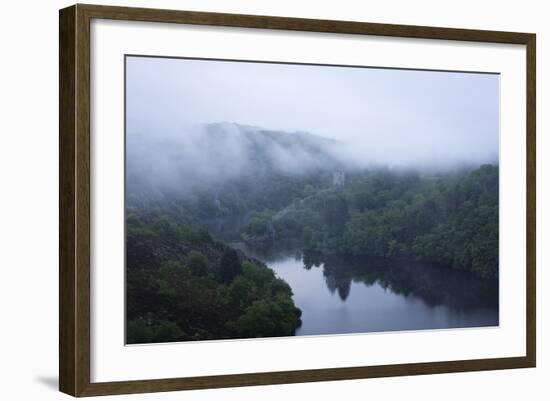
[
  {"x": 67, "y": 131},
  {"x": 531, "y": 178},
  {"x": 82, "y": 193},
  {"x": 74, "y": 199},
  {"x": 74, "y": 207},
  {"x": 301, "y": 24},
  {"x": 301, "y": 376}
]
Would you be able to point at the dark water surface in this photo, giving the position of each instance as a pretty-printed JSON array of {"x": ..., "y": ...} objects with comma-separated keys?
[
  {"x": 347, "y": 295},
  {"x": 353, "y": 296}
]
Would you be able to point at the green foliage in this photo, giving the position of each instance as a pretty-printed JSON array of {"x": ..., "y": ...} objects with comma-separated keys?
[
  {"x": 139, "y": 332},
  {"x": 242, "y": 292},
  {"x": 260, "y": 225},
  {"x": 335, "y": 212},
  {"x": 230, "y": 266},
  {"x": 167, "y": 331},
  {"x": 258, "y": 275},
  {"x": 448, "y": 220},
  {"x": 267, "y": 318},
  {"x": 182, "y": 285},
  {"x": 197, "y": 263}
]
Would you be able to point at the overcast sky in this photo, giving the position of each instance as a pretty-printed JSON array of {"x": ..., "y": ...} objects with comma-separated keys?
[{"x": 387, "y": 114}]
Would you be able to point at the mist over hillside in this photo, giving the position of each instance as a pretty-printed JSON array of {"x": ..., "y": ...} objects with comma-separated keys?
[
  {"x": 213, "y": 154},
  {"x": 404, "y": 118},
  {"x": 207, "y": 157}
]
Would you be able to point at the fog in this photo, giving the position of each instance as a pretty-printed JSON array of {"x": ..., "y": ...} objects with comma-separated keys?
[
  {"x": 202, "y": 119},
  {"x": 214, "y": 153}
]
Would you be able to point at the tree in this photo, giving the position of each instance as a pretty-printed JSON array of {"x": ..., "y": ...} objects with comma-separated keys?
[
  {"x": 137, "y": 332},
  {"x": 266, "y": 318},
  {"x": 197, "y": 263},
  {"x": 167, "y": 331},
  {"x": 335, "y": 213},
  {"x": 242, "y": 292},
  {"x": 230, "y": 266}
]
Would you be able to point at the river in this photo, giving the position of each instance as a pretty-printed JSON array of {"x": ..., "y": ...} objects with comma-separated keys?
[{"x": 358, "y": 296}]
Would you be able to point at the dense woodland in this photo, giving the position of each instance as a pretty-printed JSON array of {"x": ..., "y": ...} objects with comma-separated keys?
[
  {"x": 449, "y": 220},
  {"x": 183, "y": 285}
]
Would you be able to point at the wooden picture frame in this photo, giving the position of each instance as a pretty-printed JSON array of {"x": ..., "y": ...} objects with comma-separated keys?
[{"x": 74, "y": 199}]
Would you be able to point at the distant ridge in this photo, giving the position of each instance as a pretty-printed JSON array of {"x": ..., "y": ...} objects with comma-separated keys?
[{"x": 221, "y": 151}]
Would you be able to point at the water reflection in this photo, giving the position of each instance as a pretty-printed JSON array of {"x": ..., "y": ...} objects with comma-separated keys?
[{"x": 347, "y": 295}]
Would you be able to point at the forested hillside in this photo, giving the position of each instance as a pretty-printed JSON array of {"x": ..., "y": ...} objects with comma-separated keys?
[
  {"x": 298, "y": 188},
  {"x": 183, "y": 285},
  {"x": 450, "y": 220}
]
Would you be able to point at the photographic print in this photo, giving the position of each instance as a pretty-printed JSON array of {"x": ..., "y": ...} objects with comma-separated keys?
[{"x": 267, "y": 199}]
